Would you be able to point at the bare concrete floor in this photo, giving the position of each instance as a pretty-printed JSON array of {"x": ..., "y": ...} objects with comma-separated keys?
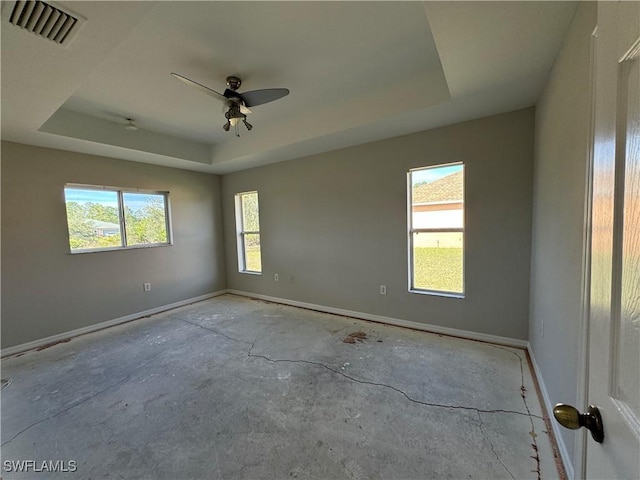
[{"x": 239, "y": 388}]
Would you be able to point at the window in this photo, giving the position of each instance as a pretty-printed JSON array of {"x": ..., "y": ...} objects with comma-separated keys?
[
  {"x": 248, "y": 228},
  {"x": 105, "y": 218},
  {"x": 436, "y": 229}
]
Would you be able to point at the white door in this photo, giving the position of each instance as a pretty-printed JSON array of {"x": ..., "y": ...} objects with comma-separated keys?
[{"x": 614, "y": 328}]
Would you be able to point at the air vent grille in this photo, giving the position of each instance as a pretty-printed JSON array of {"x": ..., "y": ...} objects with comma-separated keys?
[{"x": 44, "y": 19}]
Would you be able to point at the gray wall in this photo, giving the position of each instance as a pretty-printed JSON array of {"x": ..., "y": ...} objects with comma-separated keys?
[
  {"x": 337, "y": 222},
  {"x": 46, "y": 290},
  {"x": 561, "y": 152}
]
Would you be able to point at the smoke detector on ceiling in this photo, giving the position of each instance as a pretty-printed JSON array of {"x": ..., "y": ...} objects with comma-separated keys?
[{"x": 45, "y": 19}]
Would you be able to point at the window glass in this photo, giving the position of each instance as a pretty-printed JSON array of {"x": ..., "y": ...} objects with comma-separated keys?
[
  {"x": 436, "y": 229},
  {"x": 253, "y": 258},
  {"x": 145, "y": 218},
  {"x": 248, "y": 230},
  {"x": 93, "y": 219},
  {"x": 96, "y": 217},
  {"x": 250, "y": 214},
  {"x": 437, "y": 261}
]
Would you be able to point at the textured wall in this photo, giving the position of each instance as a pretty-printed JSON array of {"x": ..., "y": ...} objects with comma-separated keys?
[
  {"x": 561, "y": 155},
  {"x": 47, "y": 291},
  {"x": 337, "y": 223}
]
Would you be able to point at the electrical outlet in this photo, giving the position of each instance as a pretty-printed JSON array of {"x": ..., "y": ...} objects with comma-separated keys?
[
  {"x": 383, "y": 289},
  {"x": 147, "y": 287},
  {"x": 291, "y": 279},
  {"x": 276, "y": 277}
]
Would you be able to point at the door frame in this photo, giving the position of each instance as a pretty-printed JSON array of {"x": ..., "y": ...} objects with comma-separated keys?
[{"x": 582, "y": 392}]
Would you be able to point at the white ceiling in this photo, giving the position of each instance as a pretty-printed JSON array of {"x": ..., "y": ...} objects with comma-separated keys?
[{"x": 357, "y": 72}]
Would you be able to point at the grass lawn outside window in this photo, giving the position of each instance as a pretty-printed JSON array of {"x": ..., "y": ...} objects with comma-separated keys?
[{"x": 438, "y": 269}]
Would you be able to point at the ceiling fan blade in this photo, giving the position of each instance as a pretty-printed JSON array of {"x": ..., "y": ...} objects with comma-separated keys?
[
  {"x": 266, "y": 95},
  {"x": 202, "y": 88}
]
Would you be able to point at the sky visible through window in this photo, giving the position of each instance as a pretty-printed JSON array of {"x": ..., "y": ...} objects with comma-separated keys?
[
  {"x": 429, "y": 175},
  {"x": 105, "y": 198}
]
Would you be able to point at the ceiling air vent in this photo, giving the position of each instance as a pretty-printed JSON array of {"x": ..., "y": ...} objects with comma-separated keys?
[{"x": 44, "y": 19}]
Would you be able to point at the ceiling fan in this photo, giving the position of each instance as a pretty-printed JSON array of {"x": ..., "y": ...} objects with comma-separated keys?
[{"x": 237, "y": 104}]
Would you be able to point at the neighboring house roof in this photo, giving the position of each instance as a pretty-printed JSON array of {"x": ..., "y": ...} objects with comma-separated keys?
[
  {"x": 103, "y": 225},
  {"x": 445, "y": 189}
]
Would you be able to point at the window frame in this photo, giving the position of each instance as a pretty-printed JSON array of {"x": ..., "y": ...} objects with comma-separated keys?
[
  {"x": 411, "y": 231},
  {"x": 120, "y": 191},
  {"x": 241, "y": 233}
]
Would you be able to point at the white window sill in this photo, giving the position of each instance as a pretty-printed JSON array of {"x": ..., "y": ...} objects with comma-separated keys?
[
  {"x": 119, "y": 249},
  {"x": 438, "y": 294}
]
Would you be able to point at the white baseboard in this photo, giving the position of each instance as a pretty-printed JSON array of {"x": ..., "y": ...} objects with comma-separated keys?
[
  {"x": 562, "y": 447},
  {"x": 512, "y": 342},
  {"x": 483, "y": 337},
  {"x": 6, "y": 352}
]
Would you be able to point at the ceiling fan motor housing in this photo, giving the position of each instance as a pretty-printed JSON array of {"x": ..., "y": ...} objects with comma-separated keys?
[{"x": 234, "y": 83}]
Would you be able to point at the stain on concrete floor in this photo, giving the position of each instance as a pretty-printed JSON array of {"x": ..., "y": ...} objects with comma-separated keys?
[
  {"x": 354, "y": 337},
  {"x": 236, "y": 388}
]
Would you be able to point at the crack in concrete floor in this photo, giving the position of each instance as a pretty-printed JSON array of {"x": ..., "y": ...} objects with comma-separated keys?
[
  {"x": 250, "y": 354},
  {"x": 478, "y": 411},
  {"x": 81, "y": 401},
  {"x": 493, "y": 449},
  {"x": 523, "y": 395},
  {"x": 367, "y": 382}
]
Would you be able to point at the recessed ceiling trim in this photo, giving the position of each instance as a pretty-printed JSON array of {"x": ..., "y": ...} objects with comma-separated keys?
[{"x": 44, "y": 19}]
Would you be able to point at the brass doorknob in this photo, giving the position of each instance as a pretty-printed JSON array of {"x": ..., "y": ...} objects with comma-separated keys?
[{"x": 569, "y": 417}]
